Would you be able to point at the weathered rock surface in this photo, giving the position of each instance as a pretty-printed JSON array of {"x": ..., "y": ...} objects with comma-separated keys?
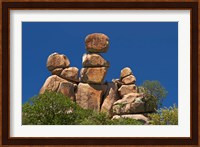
[
  {"x": 57, "y": 84},
  {"x": 68, "y": 89},
  {"x": 70, "y": 73},
  {"x": 111, "y": 96},
  {"x": 93, "y": 75},
  {"x": 126, "y": 89},
  {"x": 97, "y": 43},
  {"x": 94, "y": 60},
  {"x": 56, "y": 60},
  {"x": 125, "y": 72},
  {"x": 139, "y": 117},
  {"x": 57, "y": 71},
  {"x": 51, "y": 84},
  {"x": 129, "y": 80},
  {"x": 89, "y": 96},
  {"x": 130, "y": 103}
]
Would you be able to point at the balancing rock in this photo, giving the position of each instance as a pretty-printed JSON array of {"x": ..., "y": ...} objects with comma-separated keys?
[
  {"x": 97, "y": 43},
  {"x": 56, "y": 60}
]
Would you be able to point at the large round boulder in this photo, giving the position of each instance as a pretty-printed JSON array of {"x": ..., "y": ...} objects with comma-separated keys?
[
  {"x": 56, "y": 60},
  {"x": 97, "y": 43}
]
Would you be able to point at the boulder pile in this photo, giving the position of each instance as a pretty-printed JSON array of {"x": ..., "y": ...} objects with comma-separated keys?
[
  {"x": 92, "y": 87},
  {"x": 64, "y": 78},
  {"x": 119, "y": 98}
]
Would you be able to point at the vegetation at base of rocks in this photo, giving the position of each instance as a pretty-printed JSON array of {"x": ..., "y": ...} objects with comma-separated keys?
[
  {"x": 165, "y": 116},
  {"x": 154, "y": 93},
  {"x": 52, "y": 108}
]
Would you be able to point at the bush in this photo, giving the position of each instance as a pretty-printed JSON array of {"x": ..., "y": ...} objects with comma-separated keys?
[
  {"x": 154, "y": 93},
  {"x": 53, "y": 108},
  {"x": 165, "y": 116}
]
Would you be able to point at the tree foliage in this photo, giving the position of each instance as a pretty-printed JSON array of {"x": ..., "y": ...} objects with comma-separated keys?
[
  {"x": 165, "y": 116},
  {"x": 154, "y": 92},
  {"x": 53, "y": 108}
]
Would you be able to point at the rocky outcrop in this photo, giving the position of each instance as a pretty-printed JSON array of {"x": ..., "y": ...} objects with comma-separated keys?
[{"x": 121, "y": 97}]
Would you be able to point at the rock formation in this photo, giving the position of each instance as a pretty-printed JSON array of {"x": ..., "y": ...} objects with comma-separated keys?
[
  {"x": 92, "y": 88},
  {"x": 119, "y": 98}
]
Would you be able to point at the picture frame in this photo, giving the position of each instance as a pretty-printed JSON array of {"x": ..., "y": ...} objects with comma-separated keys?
[{"x": 102, "y": 5}]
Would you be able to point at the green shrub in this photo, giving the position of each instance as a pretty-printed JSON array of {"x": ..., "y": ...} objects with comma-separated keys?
[
  {"x": 165, "y": 116},
  {"x": 53, "y": 108},
  {"x": 154, "y": 93}
]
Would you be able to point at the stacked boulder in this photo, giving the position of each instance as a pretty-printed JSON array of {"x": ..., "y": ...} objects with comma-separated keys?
[
  {"x": 132, "y": 104},
  {"x": 64, "y": 78},
  {"x": 92, "y": 87}
]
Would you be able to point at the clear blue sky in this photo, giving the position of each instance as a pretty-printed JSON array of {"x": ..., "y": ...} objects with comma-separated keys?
[{"x": 150, "y": 49}]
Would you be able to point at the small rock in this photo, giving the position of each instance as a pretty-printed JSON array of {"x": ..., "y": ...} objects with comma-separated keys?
[
  {"x": 94, "y": 60},
  {"x": 57, "y": 71},
  {"x": 126, "y": 89},
  {"x": 93, "y": 75},
  {"x": 97, "y": 43},
  {"x": 125, "y": 72},
  {"x": 89, "y": 96},
  {"x": 129, "y": 80},
  {"x": 56, "y": 60},
  {"x": 71, "y": 74}
]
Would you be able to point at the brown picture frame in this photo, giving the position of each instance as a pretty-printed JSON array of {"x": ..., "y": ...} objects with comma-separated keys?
[{"x": 5, "y": 84}]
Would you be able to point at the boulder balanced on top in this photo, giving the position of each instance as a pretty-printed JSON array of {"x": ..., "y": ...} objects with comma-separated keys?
[{"x": 94, "y": 65}]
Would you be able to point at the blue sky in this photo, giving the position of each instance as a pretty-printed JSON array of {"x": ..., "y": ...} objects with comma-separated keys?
[{"x": 150, "y": 49}]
